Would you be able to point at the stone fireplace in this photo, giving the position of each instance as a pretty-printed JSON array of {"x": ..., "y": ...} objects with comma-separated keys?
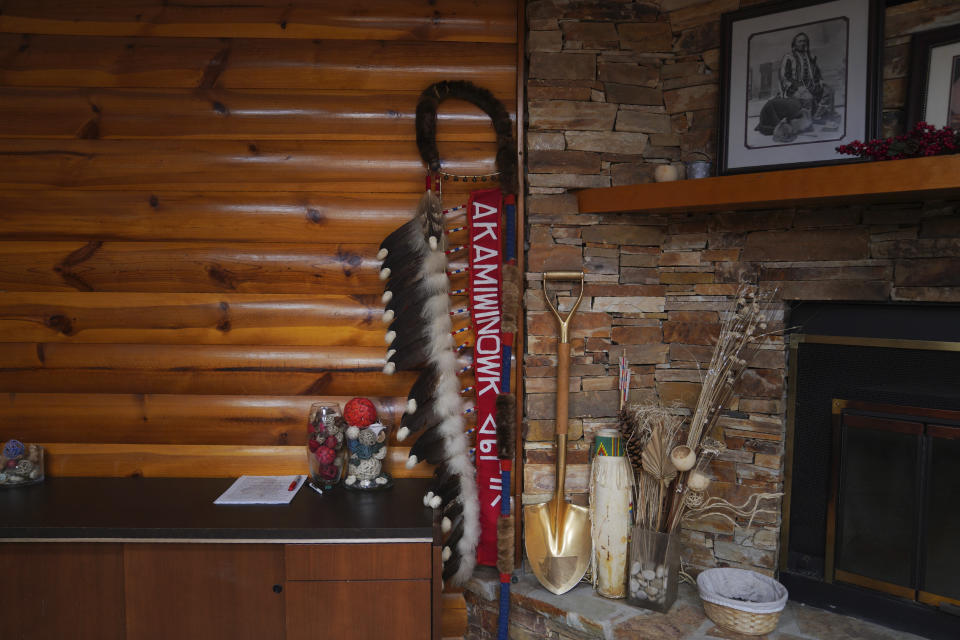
[
  {"x": 656, "y": 286},
  {"x": 614, "y": 89}
]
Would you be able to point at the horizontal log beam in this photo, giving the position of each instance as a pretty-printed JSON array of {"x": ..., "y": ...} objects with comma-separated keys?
[
  {"x": 189, "y": 267},
  {"x": 216, "y": 165},
  {"x": 197, "y": 461},
  {"x": 447, "y": 20},
  {"x": 184, "y": 318},
  {"x": 254, "y": 420},
  {"x": 198, "y": 369},
  {"x": 160, "y": 215},
  {"x": 193, "y": 268},
  {"x": 221, "y": 114},
  {"x": 204, "y": 63}
]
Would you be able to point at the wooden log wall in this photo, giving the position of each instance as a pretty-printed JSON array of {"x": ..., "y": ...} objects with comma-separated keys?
[{"x": 191, "y": 200}]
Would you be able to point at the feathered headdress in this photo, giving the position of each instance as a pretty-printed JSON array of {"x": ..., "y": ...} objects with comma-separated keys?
[{"x": 421, "y": 335}]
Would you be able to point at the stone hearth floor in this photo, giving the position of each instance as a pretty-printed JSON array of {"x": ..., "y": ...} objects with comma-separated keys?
[{"x": 580, "y": 614}]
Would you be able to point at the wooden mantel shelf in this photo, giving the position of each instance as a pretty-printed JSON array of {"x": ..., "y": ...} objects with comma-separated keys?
[{"x": 915, "y": 178}]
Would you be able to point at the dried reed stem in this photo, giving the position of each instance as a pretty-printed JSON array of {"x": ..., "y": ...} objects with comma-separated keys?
[{"x": 741, "y": 333}]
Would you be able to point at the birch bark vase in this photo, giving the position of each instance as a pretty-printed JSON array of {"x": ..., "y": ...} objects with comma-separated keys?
[{"x": 611, "y": 489}]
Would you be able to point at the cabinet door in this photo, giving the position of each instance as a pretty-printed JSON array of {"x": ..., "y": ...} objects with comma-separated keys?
[
  {"x": 54, "y": 591},
  {"x": 204, "y": 591},
  {"x": 359, "y": 610}
]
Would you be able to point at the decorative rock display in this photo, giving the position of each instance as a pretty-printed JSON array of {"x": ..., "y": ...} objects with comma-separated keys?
[
  {"x": 366, "y": 447},
  {"x": 20, "y": 464},
  {"x": 325, "y": 431},
  {"x": 648, "y": 584}
]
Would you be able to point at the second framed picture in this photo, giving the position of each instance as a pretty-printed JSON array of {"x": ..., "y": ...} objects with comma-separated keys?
[
  {"x": 934, "y": 92},
  {"x": 799, "y": 79}
]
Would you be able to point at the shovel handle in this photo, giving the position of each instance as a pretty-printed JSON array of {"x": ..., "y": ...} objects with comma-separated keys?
[
  {"x": 563, "y": 386},
  {"x": 564, "y": 322}
]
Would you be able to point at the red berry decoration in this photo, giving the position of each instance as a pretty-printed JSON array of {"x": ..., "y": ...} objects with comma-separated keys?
[
  {"x": 313, "y": 444},
  {"x": 330, "y": 442},
  {"x": 360, "y": 412},
  {"x": 325, "y": 455}
]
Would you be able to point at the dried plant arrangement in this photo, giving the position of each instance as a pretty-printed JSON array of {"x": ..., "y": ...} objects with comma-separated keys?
[
  {"x": 652, "y": 432},
  {"x": 672, "y": 463},
  {"x": 742, "y": 331}
]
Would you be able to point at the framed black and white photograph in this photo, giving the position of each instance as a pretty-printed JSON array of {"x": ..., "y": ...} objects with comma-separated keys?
[
  {"x": 933, "y": 95},
  {"x": 800, "y": 78}
]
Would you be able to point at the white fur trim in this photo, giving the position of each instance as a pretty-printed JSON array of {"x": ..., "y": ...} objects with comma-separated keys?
[
  {"x": 435, "y": 502},
  {"x": 411, "y": 405},
  {"x": 389, "y": 368},
  {"x": 426, "y": 498},
  {"x": 445, "y": 525},
  {"x": 390, "y": 336},
  {"x": 402, "y": 434},
  {"x": 411, "y": 462},
  {"x": 383, "y": 253},
  {"x": 385, "y": 273},
  {"x": 386, "y": 297},
  {"x": 433, "y": 242},
  {"x": 447, "y": 552},
  {"x": 388, "y": 316}
]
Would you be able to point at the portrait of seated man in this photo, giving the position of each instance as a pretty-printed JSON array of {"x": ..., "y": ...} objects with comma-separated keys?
[{"x": 801, "y": 79}]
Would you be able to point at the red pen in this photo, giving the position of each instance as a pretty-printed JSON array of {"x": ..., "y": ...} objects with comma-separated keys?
[{"x": 293, "y": 485}]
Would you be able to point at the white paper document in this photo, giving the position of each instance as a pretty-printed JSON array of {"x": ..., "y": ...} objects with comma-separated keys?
[{"x": 262, "y": 490}]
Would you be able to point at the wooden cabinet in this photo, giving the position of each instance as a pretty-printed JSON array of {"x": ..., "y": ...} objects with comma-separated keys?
[
  {"x": 218, "y": 591},
  {"x": 396, "y": 609},
  {"x": 57, "y": 591},
  {"x": 359, "y": 591},
  {"x": 204, "y": 591},
  {"x": 148, "y": 558}
]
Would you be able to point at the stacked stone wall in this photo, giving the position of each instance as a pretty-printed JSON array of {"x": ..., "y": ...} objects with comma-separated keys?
[{"x": 616, "y": 88}]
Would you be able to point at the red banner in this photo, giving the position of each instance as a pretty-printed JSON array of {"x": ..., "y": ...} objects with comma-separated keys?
[{"x": 484, "y": 213}]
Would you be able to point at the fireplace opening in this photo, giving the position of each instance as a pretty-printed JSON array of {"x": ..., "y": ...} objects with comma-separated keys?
[
  {"x": 873, "y": 459},
  {"x": 891, "y": 525}
]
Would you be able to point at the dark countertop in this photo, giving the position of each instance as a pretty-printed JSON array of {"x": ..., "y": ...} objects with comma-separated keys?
[{"x": 182, "y": 508}]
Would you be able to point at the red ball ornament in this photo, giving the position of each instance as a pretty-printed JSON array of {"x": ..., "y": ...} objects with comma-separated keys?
[
  {"x": 330, "y": 442},
  {"x": 328, "y": 472},
  {"x": 360, "y": 412},
  {"x": 325, "y": 455}
]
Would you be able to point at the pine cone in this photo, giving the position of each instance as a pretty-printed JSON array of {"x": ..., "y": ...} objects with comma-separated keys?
[{"x": 628, "y": 429}]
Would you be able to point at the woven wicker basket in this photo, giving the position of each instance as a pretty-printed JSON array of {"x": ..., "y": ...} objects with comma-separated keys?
[
  {"x": 750, "y": 624},
  {"x": 743, "y": 601}
]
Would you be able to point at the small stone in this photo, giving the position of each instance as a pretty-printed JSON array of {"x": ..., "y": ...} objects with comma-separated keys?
[
  {"x": 635, "y": 568},
  {"x": 660, "y": 571},
  {"x": 640, "y": 595},
  {"x": 649, "y": 574},
  {"x": 652, "y": 591},
  {"x": 634, "y": 586}
]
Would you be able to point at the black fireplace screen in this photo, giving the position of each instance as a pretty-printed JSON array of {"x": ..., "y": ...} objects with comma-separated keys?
[
  {"x": 882, "y": 353},
  {"x": 824, "y": 372},
  {"x": 892, "y": 487}
]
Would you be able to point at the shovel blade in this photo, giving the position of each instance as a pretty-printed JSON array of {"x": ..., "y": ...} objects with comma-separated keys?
[{"x": 558, "y": 544}]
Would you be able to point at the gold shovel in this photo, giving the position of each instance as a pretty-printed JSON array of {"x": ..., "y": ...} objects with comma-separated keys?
[{"x": 557, "y": 533}]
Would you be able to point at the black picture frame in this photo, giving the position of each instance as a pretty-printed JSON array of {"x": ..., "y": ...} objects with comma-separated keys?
[
  {"x": 929, "y": 86},
  {"x": 763, "y": 59}
]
